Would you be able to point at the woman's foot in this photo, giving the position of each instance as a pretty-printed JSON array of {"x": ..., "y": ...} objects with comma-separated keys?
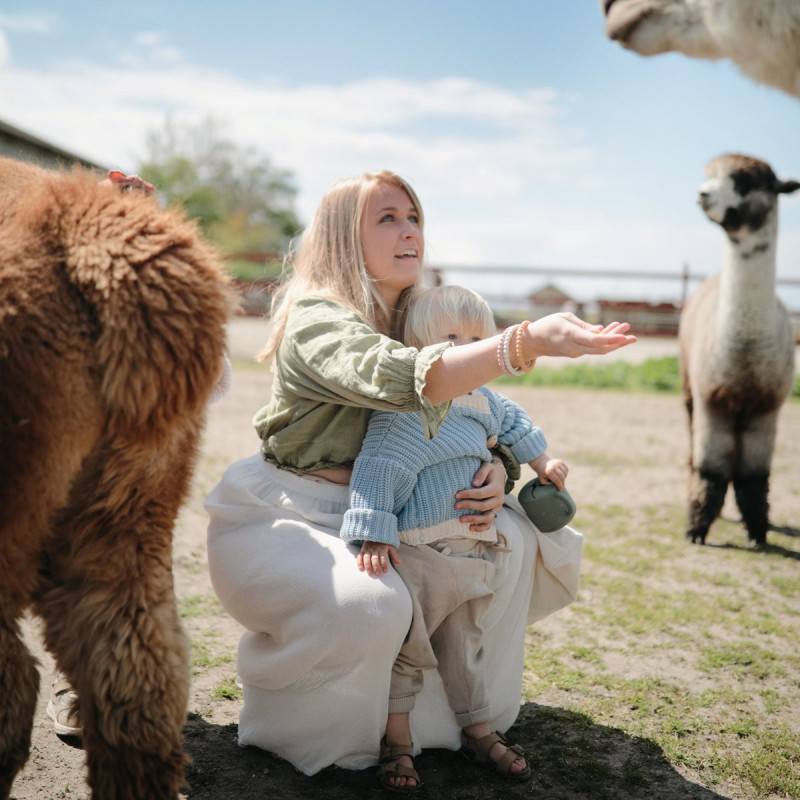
[
  {"x": 495, "y": 751},
  {"x": 396, "y": 768}
]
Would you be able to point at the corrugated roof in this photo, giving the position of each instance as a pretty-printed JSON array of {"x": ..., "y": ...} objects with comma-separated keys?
[{"x": 58, "y": 153}]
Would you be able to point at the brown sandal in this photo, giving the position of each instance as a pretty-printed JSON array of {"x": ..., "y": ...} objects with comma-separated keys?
[
  {"x": 389, "y": 766},
  {"x": 477, "y": 751}
]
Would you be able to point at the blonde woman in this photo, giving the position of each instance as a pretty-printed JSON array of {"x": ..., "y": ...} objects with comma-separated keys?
[{"x": 320, "y": 641}]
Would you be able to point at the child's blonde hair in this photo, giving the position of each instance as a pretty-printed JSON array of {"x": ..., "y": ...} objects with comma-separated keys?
[
  {"x": 431, "y": 311},
  {"x": 329, "y": 261}
]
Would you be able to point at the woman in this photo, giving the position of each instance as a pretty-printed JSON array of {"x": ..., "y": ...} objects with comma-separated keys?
[{"x": 321, "y": 636}]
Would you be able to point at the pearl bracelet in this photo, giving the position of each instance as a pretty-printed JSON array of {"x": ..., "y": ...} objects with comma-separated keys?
[
  {"x": 502, "y": 348},
  {"x": 507, "y": 366}
]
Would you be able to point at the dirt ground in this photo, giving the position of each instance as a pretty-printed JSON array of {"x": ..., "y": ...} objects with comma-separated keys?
[{"x": 636, "y": 448}]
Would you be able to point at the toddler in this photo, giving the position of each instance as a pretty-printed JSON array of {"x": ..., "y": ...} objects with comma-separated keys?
[{"x": 401, "y": 511}]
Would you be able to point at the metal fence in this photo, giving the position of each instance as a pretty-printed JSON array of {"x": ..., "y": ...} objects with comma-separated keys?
[{"x": 652, "y": 317}]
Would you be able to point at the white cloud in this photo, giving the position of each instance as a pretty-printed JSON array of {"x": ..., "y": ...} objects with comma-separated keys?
[
  {"x": 27, "y": 23},
  {"x": 150, "y": 47},
  {"x": 21, "y": 23},
  {"x": 5, "y": 50},
  {"x": 504, "y": 175},
  {"x": 470, "y": 138}
]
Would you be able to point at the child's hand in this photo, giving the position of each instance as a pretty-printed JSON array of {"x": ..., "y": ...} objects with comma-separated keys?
[
  {"x": 374, "y": 558},
  {"x": 554, "y": 471}
]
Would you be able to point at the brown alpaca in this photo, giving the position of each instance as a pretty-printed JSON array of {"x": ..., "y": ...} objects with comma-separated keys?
[{"x": 112, "y": 318}]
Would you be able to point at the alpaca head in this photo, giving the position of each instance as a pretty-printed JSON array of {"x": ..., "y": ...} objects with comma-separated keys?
[
  {"x": 651, "y": 27},
  {"x": 741, "y": 193},
  {"x": 762, "y": 37}
]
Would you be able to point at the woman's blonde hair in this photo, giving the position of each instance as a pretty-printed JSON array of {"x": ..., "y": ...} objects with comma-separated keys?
[
  {"x": 429, "y": 312},
  {"x": 329, "y": 261}
]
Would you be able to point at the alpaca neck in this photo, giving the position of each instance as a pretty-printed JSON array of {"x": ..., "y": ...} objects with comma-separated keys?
[{"x": 747, "y": 282}]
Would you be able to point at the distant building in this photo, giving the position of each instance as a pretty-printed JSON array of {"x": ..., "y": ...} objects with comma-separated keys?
[
  {"x": 660, "y": 319},
  {"x": 16, "y": 143},
  {"x": 550, "y": 300}
]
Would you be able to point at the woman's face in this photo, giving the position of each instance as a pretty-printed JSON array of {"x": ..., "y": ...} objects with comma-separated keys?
[{"x": 391, "y": 241}]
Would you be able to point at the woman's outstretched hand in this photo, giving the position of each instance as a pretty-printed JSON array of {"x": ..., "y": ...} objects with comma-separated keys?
[{"x": 568, "y": 336}]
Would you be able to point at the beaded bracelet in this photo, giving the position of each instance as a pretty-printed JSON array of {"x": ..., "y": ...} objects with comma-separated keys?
[
  {"x": 503, "y": 360},
  {"x": 508, "y": 367},
  {"x": 525, "y": 366}
]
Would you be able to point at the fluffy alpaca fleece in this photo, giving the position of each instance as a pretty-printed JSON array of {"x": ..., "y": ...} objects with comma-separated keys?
[
  {"x": 736, "y": 349},
  {"x": 112, "y": 317},
  {"x": 762, "y": 37}
]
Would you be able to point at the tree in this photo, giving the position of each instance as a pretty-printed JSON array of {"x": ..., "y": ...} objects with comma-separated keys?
[{"x": 240, "y": 200}]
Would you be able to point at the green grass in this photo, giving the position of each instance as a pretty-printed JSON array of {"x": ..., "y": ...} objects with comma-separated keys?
[
  {"x": 207, "y": 652},
  {"x": 693, "y": 652},
  {"x": 654, "y": 375},
  {"x": 227, "y": 690},
  {"x": 199, "y": 606}
]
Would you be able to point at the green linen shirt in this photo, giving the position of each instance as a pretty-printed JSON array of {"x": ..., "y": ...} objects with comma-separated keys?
[{"x": 331, "y": 371}]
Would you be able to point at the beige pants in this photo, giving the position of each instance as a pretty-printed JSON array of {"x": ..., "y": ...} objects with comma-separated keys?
[{"x": 452, "y": 585}]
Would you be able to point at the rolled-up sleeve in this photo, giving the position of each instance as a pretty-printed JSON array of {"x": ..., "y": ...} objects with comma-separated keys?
[
  {"x": 517, "y": 432},
  {"x": 329, "y": 354}
]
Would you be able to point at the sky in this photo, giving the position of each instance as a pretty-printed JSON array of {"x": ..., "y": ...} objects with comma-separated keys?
[{"x": 532, "y": 141}]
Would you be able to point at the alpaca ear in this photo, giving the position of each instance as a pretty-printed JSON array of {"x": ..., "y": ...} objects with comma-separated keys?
[{"x": 787, "y": 187}]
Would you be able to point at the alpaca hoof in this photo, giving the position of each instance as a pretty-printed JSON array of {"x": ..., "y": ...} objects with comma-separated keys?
[{"x": 695, "y": 537}]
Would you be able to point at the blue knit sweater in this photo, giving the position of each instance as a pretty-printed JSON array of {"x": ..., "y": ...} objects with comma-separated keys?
[{"x": 402, "y": 481}]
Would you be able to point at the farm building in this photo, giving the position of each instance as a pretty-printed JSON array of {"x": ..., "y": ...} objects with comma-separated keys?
[
  {"x": 16, "y": 143},
  {"x": 659, "y": 319}
]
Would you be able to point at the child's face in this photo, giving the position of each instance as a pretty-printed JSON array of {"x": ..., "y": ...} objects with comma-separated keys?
[{"x": 458, "y": 332}]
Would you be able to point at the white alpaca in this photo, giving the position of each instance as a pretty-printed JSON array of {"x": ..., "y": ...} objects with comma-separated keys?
[
  {"x": 736, "y": 349},
  {"x": 761, "y": 36}
]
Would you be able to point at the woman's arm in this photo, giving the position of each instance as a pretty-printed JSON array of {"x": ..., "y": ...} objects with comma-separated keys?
[{"x": 465, "y": 368}]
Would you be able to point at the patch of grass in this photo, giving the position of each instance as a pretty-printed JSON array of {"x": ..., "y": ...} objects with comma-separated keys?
[
  {"x": 200, "y": 605},
  {"x": 653, "y": 375},
  {"x": 227, "y": 690},
  {"x": 206, "y": 653},
  {"x": 741, "y": 658},
  {"x": 693, "y": 651},
  {"x": 786, "y": 585}
]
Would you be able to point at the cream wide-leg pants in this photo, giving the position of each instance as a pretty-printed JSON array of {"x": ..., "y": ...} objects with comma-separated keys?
[{"x": 316, "y": 657}]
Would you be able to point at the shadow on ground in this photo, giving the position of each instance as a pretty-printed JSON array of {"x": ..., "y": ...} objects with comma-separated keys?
[{"x": 572, "y": 759}]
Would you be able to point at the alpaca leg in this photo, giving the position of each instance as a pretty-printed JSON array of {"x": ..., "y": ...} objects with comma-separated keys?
[
  {"x": 134, "y": 707},
  {"x": 713, "y": 447},
  {"x": 706, "y": 497},
  {"x": 19, "y": 686},
  {"x": 118, "y": 639},
  {"x": 112, "y": 624},
  {"x": 751, "y": 498},
  {"x": 751, "y": 482},
  {"x": 23, "y": 518}
]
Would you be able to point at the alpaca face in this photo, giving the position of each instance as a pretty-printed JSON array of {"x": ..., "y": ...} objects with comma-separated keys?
[
  {"x": 650, "y": 27},
  {"x": 739, "y": 192}
]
